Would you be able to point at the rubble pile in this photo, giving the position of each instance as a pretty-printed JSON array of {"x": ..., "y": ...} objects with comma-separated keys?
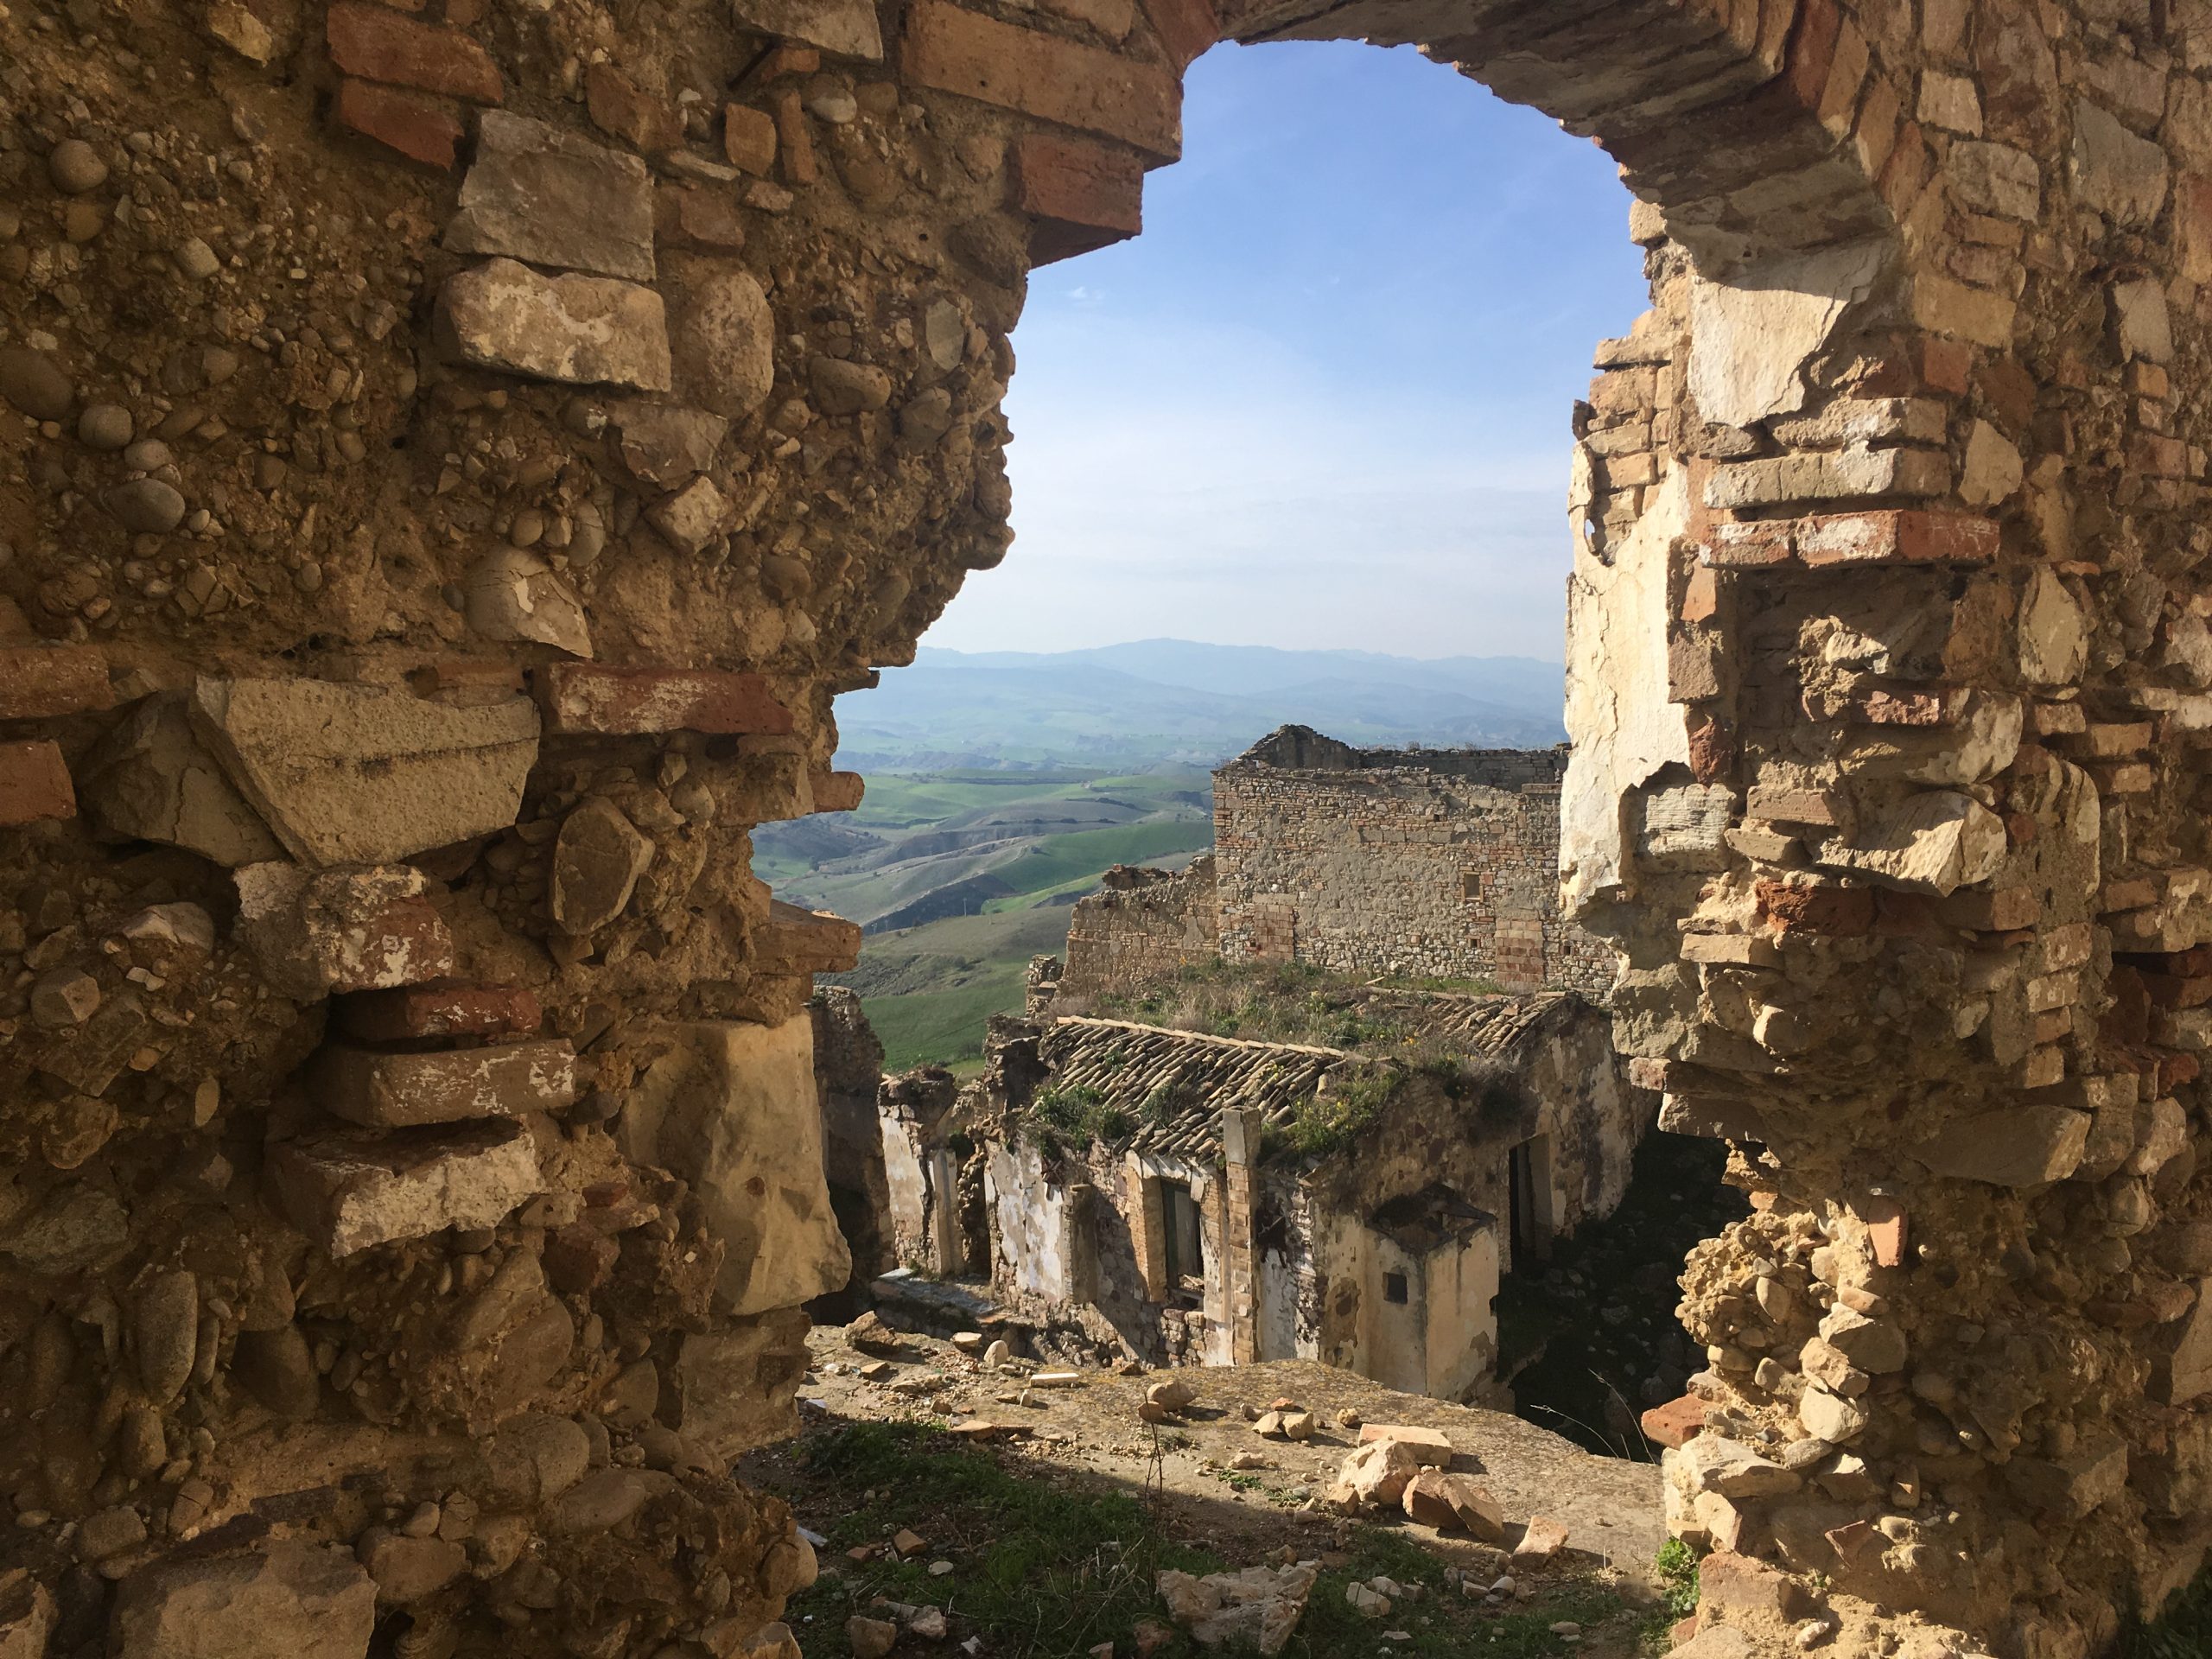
[{"x": 451, "y": 454}]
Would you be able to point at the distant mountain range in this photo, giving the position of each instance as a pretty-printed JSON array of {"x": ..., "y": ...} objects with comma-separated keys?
[{"x": 1173, "y": 701}]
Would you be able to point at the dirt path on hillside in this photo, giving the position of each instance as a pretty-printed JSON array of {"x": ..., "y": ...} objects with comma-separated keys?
[{"x": 1218, "y": 1480}]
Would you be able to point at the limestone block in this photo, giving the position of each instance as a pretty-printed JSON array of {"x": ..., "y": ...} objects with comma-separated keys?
[
  {"x": 2184, "y": 1370},
  {"x": 2113, "y": 172},
  {"x": 152, "y": 780},
  {"x": 847, "y": 29},
  {"x": 1976, "y": 744},
  {"x": 1750, "y": 336},
  {"x": 1870, "y": 1344},
  {"x": 26, "y": 1617},
  {"x": 732, "y": 1109},
  {"x": 586, "y": 330},
  {"x": 1996, "y": 179},
  {"x": 348, "y": 1192},
  {"x": 1936, "y": 841},
  {"x": 667, "y": 444},
  {"x": 597, "y": 860},
  {"x": 1711, "y": 1462},
  {"x": 739, "y": 1383},
  {"x": 1445, "y": 1500},
  {"x": 533, "y": 1459},
  {"x": 2054, "y": 638},
  {"x": 1991, "y": 469},
  {"x": 1828, "y": 1417},
  {"x": 1257, "y": 1609},
  {"x": 2144, "y": 326},
  {"x": 2094, "y": 1473},
  {"x": 316, "y": 932},
  {"x": 1375, "y": 1474},
  {"x": 2021, "y": 1145},
  {"x": 286, "y": 1600},
  {"x": 578, "y": 698},
  {"x": 365, "y": 774},
  {"x": 1685, "y": 827},
  {"x": 536, "y": 194},
  {"x": 387, "y": 1090},
  {"x": 512, "y": 594},
  {"x": 725, "y": 339}
]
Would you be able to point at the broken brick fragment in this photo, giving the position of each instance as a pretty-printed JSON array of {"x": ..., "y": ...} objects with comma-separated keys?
[
  {"x": 418, "y": 128},
  {"x": 377, "y": 43}
]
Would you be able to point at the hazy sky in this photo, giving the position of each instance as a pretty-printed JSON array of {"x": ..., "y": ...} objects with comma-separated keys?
[{"x": 1323, "y": 400}]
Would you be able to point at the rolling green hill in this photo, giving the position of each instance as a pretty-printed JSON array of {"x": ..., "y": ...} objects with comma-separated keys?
[{"x": 957, "y": 879}]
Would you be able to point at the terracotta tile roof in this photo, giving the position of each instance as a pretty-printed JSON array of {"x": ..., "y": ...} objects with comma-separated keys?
[{"x": 1173, "y": 1085}]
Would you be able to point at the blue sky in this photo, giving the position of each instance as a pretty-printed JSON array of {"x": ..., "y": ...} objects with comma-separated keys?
[{"x": 1323, "y": 400}]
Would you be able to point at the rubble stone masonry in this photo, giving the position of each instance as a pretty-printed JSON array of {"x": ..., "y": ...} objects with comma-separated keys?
[
  {"x": 1435, "y": 864},
  {"x": 451, "y": 454}
]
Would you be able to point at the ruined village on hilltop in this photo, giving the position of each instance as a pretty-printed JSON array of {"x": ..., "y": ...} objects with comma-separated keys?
[{"x": 455, "y": 453}]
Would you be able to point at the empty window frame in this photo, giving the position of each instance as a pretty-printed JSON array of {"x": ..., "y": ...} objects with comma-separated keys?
[{"x": 1179, "y": 1229}]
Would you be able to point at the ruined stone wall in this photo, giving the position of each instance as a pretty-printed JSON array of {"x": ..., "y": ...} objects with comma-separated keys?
[
  {"x": 1140, "y": 929},
  {"x": 452, "y": 458},
  {"x": 1435, "y": 865}
]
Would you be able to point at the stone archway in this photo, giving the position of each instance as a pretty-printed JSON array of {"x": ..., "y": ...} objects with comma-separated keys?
[{"x": 452, "y": 461}]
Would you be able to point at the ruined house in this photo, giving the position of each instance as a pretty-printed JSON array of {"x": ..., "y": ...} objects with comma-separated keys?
[
  {"x": 451, "y": 462},
  {"x": 1438, "y": 864},
  {"x": 1131, "y": 1190}
]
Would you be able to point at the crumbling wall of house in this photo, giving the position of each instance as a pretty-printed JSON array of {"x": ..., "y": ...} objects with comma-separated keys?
[
  {"x": 452, "y": 458},
  {"x": 1435, "y": 865},
  {"x": 1139, "y": 929},
  {"x": 849, "y": 1078}
]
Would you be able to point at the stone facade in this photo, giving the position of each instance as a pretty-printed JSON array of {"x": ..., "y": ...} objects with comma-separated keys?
[
  {"x": 1377, "y": 1249},
  {"x": 1427, "y": 863},
  {"x": 1140, "y": 927},
  {"x": 452, "y": 459}
]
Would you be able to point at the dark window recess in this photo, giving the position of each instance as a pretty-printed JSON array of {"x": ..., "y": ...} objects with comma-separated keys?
[
  {"x": 1178, "y": 1217},
  {"x": 1394, "y": 1288}
]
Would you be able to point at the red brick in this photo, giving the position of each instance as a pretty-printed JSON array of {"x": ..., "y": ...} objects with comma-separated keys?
[
  {"x": 34, "y": 783},
  {"x": 1054, "y": 79},
  {"x": 1841, "y": 912},
  {"x": 1676, "y": 1423},
  {"x": 1885, "y": 1229},
  {"x": 619, "y": 108},
  {"x": 418, "y": 128},
  {"x": 1897, "y": 536},
  {"x": 1811, "y": 51},
  {"x": 836, "y": 791},
  {"x": 413, "y": 1012},
  {"x": 39, "y": 682},
  {"x": 378, "y": 44},
  {"x": 1185, "y": 28},
  {"x": 1992, "y": 910},
  {"x": 385, "y": 1091},
  {"x": 1945, "y": 365},
  {"x": 1760, "y": 541},
  {"x": 580, "y": 697},
  {"x": 794, "y": 142},
  {"x": 1080, "y": 194},
  {"x": 786, "y": 59}
]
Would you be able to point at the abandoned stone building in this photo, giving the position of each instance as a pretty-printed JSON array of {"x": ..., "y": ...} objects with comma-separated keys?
[
  {"x": 451, "y": 459},
  {"x": 1133, "y": 1191},
  {"x": 1414, "y": 863}
]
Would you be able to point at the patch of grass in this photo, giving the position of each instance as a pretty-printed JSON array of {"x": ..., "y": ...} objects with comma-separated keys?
[
  {"x": 1334, "y": 1119},
  {"x": 1676, "y": 1567},
  {"x": 942, "y": 1028},
  {"x": 1040, "y": 1569},
  {"x": 1079, "y": 1115},
  {"x": 1443, "y": 1624},
  {"x": 2181, "y": 1630}
]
